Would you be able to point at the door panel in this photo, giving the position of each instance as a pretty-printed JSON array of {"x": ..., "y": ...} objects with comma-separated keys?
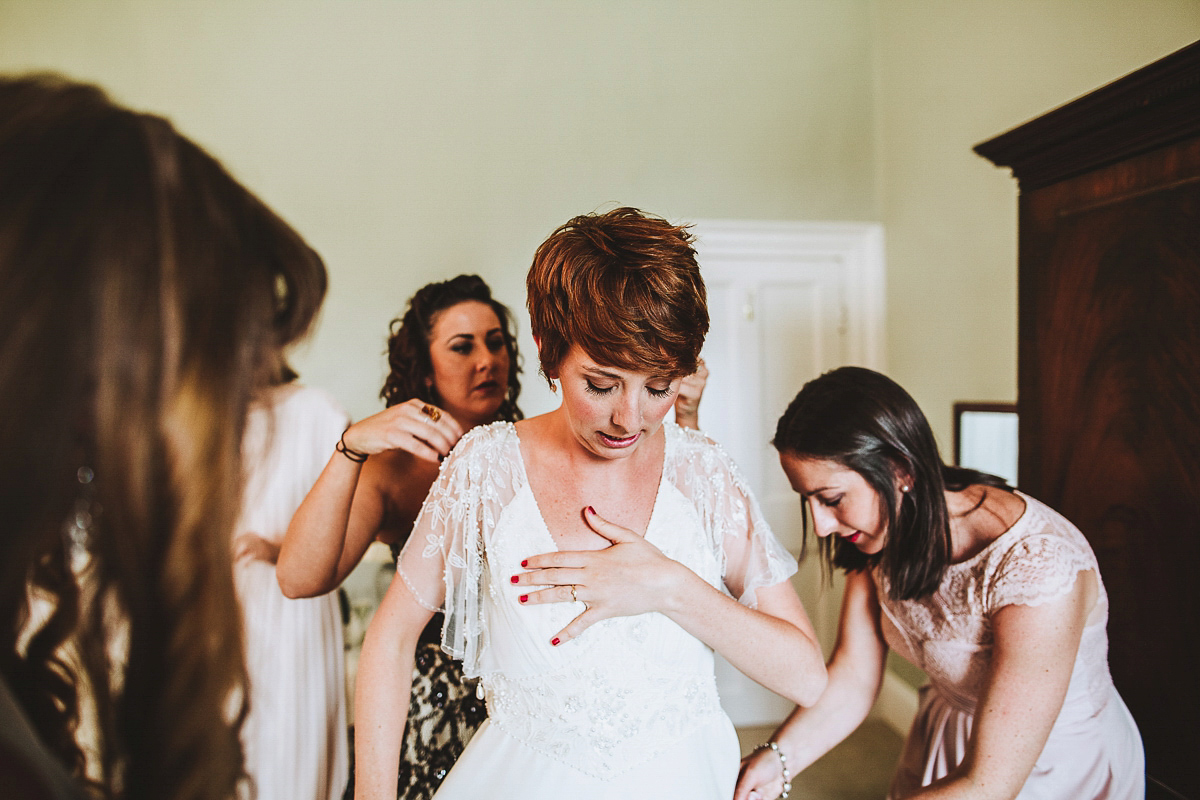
[{"x": 780, "y": 315}]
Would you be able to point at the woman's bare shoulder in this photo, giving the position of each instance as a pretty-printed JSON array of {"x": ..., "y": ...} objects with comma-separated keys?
[
  {"x": 984, "y": 514},
  {"x": 398, "y": 475}
]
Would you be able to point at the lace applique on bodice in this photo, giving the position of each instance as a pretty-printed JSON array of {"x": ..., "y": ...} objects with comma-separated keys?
[
  {"x": 628, "y": 687},
  {"x": 949, "y": 634}
]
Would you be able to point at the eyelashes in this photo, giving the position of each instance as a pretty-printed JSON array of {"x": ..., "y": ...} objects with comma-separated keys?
[{"x": 592, "y": 388}]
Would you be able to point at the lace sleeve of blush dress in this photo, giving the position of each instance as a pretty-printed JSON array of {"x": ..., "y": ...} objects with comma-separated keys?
[{"x": 1037, "y": 568}]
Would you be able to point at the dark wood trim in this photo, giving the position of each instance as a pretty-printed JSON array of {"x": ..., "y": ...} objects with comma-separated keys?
[{"x": 1151, "y": 108}]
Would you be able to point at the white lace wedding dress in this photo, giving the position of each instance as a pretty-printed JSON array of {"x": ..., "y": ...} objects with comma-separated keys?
[
  {"x": 629, "y": 709},
  {"x": 1094, "y": 750}
]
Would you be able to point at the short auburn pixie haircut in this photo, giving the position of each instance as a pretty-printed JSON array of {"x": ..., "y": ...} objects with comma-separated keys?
[{"x": 625, "y": 287}]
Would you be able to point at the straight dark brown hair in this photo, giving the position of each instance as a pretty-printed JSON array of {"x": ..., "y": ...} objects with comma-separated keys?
[{"x": 864, "y": 421}]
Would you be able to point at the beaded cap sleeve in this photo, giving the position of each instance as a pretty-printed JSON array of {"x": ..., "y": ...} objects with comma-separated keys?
[
  {"x": 443, "y": 561},
  {"x": 750, "y": 555}
]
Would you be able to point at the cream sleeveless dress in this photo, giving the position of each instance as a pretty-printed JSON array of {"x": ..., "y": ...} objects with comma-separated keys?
[
  {"x": 1094, "y": 749},
  {"x": 295, "y": 738},
  {"x": 630, "y": 707}
]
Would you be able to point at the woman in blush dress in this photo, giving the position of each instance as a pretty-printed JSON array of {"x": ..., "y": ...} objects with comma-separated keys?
[
  {"x": 628, "y": 707},
  {"x": 997, "y": 597}
]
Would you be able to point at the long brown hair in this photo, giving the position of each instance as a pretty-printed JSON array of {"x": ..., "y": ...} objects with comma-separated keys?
[{"x": 146, "y": 294}]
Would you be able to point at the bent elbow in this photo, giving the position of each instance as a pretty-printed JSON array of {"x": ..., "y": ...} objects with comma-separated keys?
[
  {"x": 294, "y": 588},
  {"x": 811, "y": 685},
  {"x": 290, "y": 590}
]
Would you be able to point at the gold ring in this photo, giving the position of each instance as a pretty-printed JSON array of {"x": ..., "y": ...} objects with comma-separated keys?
[
  {"x": 574, "y": 599},
  {"x": 433, "y": 413}
]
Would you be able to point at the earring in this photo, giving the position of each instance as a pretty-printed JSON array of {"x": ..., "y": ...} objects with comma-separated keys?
[
  {"x": 77, "y": 530},
  {"x": 905, "y": 488}
]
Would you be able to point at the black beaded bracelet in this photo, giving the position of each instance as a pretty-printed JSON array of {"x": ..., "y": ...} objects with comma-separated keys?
[{"x": 353, "y": 455}]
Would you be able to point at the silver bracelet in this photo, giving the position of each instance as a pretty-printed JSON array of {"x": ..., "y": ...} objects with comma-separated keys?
[{"x": 787, "y": 776}]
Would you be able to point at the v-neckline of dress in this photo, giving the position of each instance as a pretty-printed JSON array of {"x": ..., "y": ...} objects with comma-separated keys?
[{"x": 545, "y": 528}]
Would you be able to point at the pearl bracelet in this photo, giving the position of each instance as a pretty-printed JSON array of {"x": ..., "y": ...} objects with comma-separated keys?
[{"x": 787, "y": 776}]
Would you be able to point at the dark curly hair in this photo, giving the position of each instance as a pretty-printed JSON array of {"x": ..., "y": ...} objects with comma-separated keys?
[{"x": 408, "y": 344}]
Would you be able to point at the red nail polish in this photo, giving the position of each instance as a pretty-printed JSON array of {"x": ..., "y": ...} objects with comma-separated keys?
[
  {"x": 523, "y": 598},
  {"x": 525, "y": 563},
  {"x": 591, "y": 511},
  {"x": 513, "y": 579},
  {"x": 554, "y": 640}
]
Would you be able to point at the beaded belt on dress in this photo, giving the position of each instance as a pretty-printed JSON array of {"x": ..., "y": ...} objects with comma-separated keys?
[{"x": 598, "y": 723}]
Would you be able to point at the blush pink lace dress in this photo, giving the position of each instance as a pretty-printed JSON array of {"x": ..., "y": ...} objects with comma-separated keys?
[
  {"x": 1094, "y": 749},
  {"x": 628, "y": 709}
]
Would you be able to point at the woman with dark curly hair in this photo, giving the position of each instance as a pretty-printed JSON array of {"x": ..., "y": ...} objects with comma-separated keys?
[
  {"x": 454, "y": 365},
  {"x": 414, "y": 374}
]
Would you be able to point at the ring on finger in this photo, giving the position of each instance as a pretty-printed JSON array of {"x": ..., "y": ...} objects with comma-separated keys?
[
  {"x": 433, "y": 412},
  {"x": 574, "y": 599}
]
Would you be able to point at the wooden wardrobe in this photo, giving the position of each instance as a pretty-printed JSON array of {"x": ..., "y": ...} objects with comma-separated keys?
[{"x": 1109, "y": 373}]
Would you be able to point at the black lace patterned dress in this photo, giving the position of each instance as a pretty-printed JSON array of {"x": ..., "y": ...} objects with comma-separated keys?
[{"x": 444, "y": 714}]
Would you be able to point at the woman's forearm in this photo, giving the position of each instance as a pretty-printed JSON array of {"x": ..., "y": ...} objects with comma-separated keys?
[
  {"x": 810, "y": 733},
  {"x": 314, "y": 555},
  {"x": 383, "y": 693},
  {"x": 855, "y": 675}
]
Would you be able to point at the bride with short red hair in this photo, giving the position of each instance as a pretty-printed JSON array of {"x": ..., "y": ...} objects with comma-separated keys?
[{"x": 592, "y": 693}]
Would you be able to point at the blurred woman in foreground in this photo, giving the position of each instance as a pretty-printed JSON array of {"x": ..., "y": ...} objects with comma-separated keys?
[{"x": 146, "y": 294}]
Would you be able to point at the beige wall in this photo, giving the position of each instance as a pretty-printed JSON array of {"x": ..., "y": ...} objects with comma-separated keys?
[
  {"x": 953, "y": 73},
  {"x": 413, "y": 139}
]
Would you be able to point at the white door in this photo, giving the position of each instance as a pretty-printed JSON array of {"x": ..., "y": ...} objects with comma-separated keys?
[{"x": 787, "y": 302}]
